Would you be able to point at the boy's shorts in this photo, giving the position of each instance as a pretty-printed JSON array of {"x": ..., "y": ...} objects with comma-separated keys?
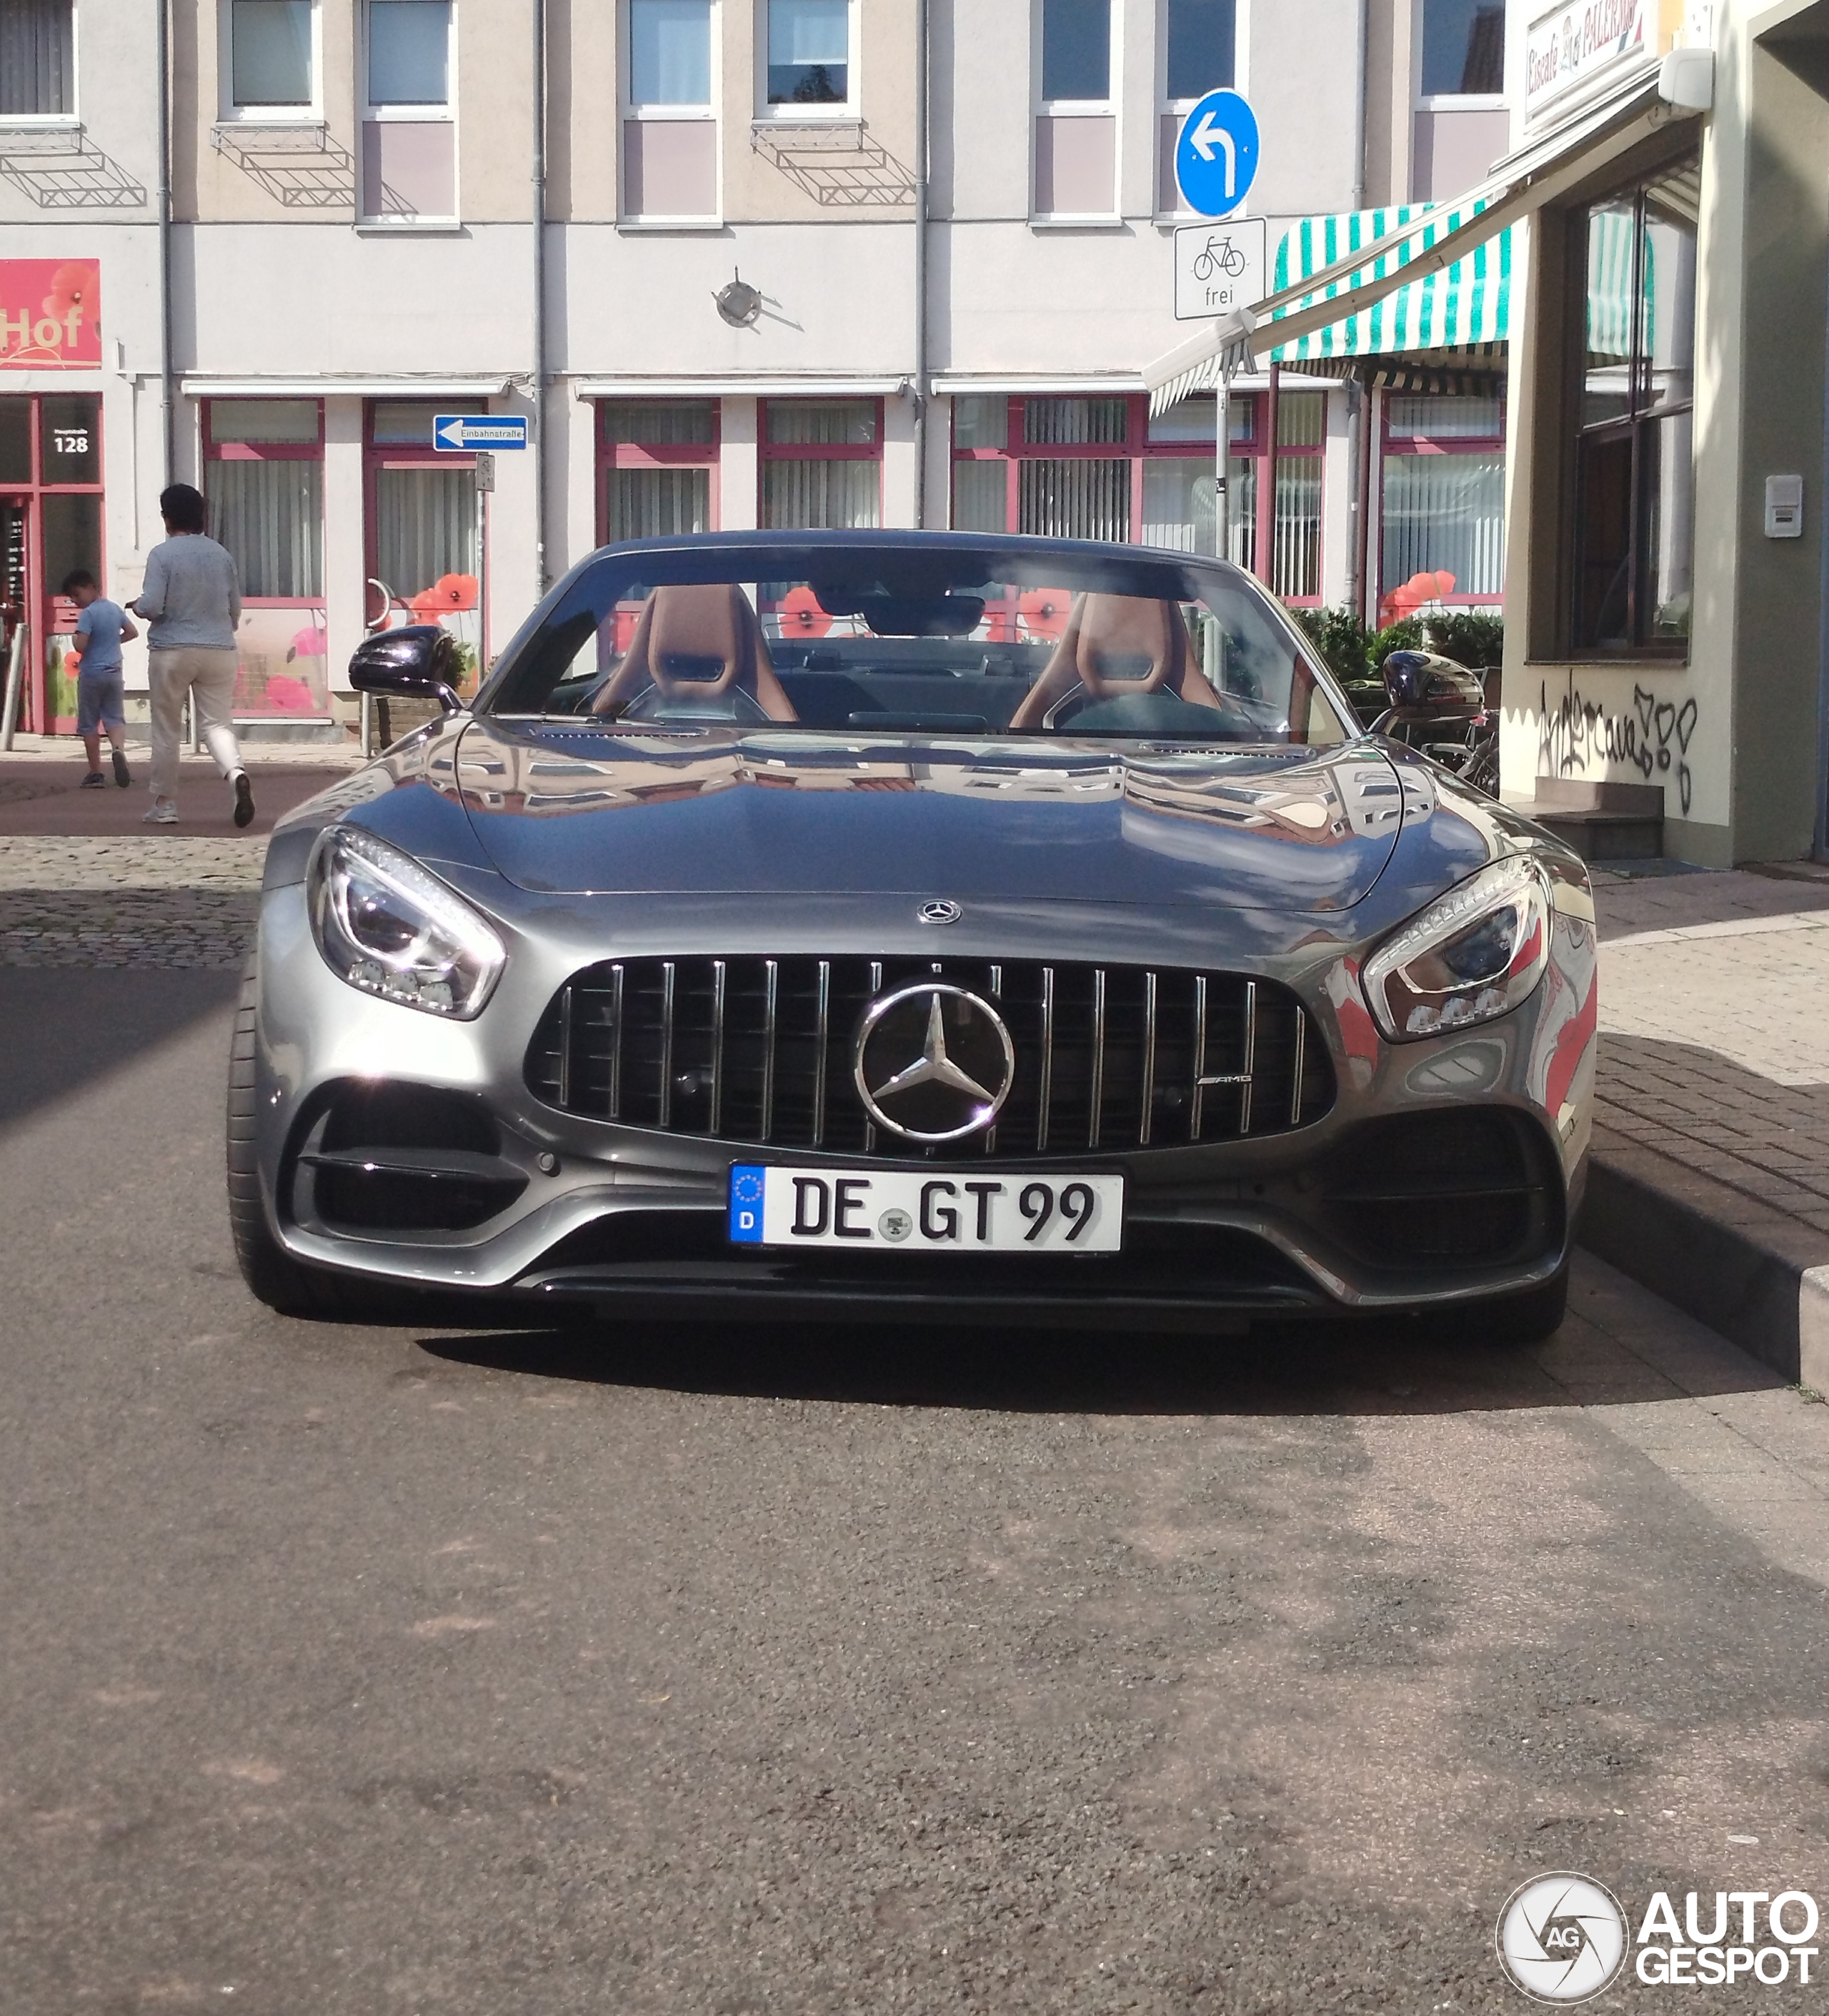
[{"x": 99, "y": 703}]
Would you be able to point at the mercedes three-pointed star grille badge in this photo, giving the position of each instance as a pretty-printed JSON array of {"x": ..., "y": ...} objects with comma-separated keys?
[{"x": 933, "y": 1062}]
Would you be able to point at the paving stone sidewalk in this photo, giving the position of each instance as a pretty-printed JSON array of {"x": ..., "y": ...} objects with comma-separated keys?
[
  {"x": 1710, "y": 1180},
  {"x": 150, "y": 901}
]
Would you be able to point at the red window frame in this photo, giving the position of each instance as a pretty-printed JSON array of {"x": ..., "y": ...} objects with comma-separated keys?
[
  {"x": 312, "y": 450},
  {"x": 767, "y": 451},
  {"x": 1269, "y": 455},
  {"x": 1392, "y": 443},
  {"x": 658, "y": 454},
  {"x": 378, "y": 455},
  {"x": 49, "y": 613},
  {"x": 1136, "y": 447}
]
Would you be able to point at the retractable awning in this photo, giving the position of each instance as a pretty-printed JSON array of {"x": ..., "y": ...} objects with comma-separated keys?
[
  {"x": 1427, "y": 242},
  {"x": 1452, "y": 308}
]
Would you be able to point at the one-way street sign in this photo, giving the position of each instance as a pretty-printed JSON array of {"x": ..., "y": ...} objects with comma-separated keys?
[{"x": 462, "y": 433}]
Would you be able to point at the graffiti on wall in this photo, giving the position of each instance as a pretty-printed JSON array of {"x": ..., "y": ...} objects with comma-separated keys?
[{"x": 1653, "y": 738}]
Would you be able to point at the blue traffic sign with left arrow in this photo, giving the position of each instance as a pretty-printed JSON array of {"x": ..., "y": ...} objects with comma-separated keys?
[
  {"x": 462, "y": 433},
  {"x": 1216, "y": 155}
]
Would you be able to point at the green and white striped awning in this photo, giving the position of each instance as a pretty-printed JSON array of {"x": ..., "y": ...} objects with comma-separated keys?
[{"x": 1454, "y": 307}]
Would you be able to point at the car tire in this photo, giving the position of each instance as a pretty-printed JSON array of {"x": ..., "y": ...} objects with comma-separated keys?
[
  {"x": 272, "y": 1275},
  {"x": 1516, "y": 1320}
]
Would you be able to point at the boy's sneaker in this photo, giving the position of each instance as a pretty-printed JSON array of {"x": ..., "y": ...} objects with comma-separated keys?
[
  {"x": 162, "y": 812},
  {"x": 244, "y": 799},
  {"x": 123, "y": 776},
  {"x": 95, "y": 781}
]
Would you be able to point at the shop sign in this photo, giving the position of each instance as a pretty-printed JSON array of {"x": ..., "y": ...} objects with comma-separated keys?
[
  {"x": 1578, "y": 45},
  {"x": 50, "y": 315}
]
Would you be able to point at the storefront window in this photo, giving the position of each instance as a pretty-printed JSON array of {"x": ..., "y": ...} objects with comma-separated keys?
[
  {"x": 1633, "y": 529},
  {"x": 50, "y": 523},
  {"x": 1444, "y": 494},
  {"x": 1102, "y": 468},
  {"x": 658, "y": 457},
  {"x": 425, "y": 539},
  {"x": 821, "y": 464},
  {"x": 265, "y": 489}
]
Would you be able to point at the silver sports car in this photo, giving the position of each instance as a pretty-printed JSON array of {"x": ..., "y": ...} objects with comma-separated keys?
[{"x": 823, "y": 924}]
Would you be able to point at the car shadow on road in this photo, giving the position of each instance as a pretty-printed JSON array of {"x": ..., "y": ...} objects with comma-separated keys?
[
  {"x": 1387, "y": 1367},
  {"x": 67, "y": 1026}
]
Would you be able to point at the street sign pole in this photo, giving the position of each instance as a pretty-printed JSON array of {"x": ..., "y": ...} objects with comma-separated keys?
[{"x": 1222, "y": 464}]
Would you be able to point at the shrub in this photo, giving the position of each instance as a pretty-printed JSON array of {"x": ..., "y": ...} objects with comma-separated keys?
[
  {"x": 1471, "y": 637},
  {"x": 1340, "y": 638},
  {"x": 1405, "y": 636}
]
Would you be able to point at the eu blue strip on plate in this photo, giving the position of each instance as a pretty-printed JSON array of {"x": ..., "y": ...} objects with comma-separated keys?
[{"x": 746, "y": 1187}]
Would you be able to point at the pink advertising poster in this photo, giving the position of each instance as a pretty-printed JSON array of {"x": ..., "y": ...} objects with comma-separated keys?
[{"x": 50, "y": 313}]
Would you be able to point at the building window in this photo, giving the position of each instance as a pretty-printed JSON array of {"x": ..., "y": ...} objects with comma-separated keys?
[
  {"x": 1178, "y": 480},
  {"x": 271, "y": 56},
  {"x": 1460, "y": 127},
  {"x": 1444, "y": 497},
  {"x": 809, "y": 59},
  {"x": 1295, "y": 540},
  {"x": 1633, "y": 461},
  {"x": 37, "y": 59},
  {"x": 424, "y": 525},
  {"x": 1463, "y": 49},
  {"x": 670, "y": 126},
  {"x": 821, "y": 464},
  {"x": 1199, "y": 55},
  {"x": 1101, "y": 468},
  {"x": 659, "y": 462},
  {"x": 409, "y": 136},
  {"x": 1075, "y": 123},
  {"x": 265, "y": 486}
]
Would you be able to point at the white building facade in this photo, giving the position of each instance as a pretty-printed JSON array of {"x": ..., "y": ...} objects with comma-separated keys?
[{"x": 737, "y": 263}]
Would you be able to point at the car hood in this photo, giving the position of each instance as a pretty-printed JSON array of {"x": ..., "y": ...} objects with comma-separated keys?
[{"x": 561, "y": 809}]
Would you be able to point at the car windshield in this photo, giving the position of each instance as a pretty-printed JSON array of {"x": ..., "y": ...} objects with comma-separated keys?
[{"x": 933, "y": 637}]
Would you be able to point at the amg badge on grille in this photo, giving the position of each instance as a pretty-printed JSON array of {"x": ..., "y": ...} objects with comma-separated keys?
[{"x": 932, "y": 1062}]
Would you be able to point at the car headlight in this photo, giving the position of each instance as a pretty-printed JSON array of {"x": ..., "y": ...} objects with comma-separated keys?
[
  {"x": 387, "y": 926},
  {"x": 1476, "y": 954}
]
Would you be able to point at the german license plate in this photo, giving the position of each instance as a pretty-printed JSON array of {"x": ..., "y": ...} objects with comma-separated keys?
[{"x": 919, "y": 1211}]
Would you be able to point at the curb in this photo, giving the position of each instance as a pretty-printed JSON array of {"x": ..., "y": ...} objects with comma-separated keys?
[{"x": 1750, "y": 1273}]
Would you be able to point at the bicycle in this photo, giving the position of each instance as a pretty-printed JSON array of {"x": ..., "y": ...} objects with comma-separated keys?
[{"x": 1224, "y": 255}]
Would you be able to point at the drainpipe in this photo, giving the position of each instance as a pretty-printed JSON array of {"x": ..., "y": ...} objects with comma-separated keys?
[
  {"x": 539, "y": 206},
  {"x": 165, "y": 200},
  {"x": 1358, "y": 391},
  {"x": 921, "y": 161}
]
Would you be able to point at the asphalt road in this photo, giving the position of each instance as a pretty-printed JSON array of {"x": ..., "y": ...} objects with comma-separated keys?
[{"x": 642, "y": 1670}]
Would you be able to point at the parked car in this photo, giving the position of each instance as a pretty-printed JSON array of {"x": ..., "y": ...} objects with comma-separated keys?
[{"x": 882, "y": 924}]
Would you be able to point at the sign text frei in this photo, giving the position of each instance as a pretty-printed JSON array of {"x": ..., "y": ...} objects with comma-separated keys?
[{"x": 50, "y": 313}]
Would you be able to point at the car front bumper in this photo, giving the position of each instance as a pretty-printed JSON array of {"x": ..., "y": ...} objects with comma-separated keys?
[{"x": 632, "y": 1220}]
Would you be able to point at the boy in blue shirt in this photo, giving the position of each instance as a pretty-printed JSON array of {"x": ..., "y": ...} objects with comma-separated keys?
[{"x": 101, "y": 629}]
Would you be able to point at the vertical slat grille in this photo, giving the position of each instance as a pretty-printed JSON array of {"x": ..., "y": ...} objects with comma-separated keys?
[{"x": 757, "y": 1052}]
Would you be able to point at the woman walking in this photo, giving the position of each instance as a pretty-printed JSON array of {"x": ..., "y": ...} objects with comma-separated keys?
[{"x": 192, "y": 602}]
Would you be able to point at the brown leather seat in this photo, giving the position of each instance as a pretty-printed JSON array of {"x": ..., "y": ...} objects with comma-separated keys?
[
  {"x": 708, "y": 632},
  {"x": 1105, "y": 636}
]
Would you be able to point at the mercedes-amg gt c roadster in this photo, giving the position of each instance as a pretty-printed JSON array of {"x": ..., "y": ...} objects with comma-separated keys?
[{"x": 817, "y": 925}]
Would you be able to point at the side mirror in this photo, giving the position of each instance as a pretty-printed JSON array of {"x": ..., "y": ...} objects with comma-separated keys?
[
  {"x": 420, "y": 661},
  {"x": 1406, "y": 678}
]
